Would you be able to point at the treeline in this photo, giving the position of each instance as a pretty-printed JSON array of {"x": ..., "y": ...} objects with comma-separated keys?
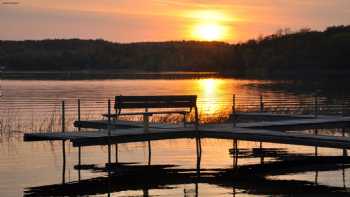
[{"x": 283, "y": 52}]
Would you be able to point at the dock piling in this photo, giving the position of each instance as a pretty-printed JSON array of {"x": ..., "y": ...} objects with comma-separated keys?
[
  {"x": 316, "y": 147},
  {"x": 79, "y": 147},
  {"x": 261, "y": 152},
  {"x": 345, "y": 152},
  {"x": 234, "y": 154},
  {"x": 63, "y": 144},
  {"x": 261, "y": 103},
  {"x": 63, "y": 118},
  {"x": 316, "y": 106},
  {"x": 109, "y": 131},
  {"x": 116, "y": 153},
  {"x": 234, "y": 110},
  {"x": 149, "y": 152}
]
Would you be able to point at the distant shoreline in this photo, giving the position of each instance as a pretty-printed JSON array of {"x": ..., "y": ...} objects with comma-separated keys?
[
  {"x": 90, "y": 75},
  {"x": 304, "y": 75}
]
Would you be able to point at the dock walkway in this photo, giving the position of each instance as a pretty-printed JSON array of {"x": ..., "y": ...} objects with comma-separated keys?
[{"x": 256, "y": 131}]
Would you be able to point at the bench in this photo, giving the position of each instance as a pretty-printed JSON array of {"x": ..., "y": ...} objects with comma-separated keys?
[{"x": 185, "y": 102}]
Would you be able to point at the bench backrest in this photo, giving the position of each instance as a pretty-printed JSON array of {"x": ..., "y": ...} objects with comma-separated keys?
[{"x": 133, "y": 102}]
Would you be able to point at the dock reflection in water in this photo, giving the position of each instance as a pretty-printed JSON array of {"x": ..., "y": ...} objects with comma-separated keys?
[{"x": 250, "y": 179}]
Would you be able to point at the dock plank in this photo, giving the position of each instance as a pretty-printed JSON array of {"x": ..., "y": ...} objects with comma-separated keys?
[
  {"x": 128, "y": 131},
  {"x": 345, "y": 121},
  {"x": 138, "y": 135},
  {"x": 102, "y": 124}
]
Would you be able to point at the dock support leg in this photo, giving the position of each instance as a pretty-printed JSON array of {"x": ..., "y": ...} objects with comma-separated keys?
[
  {"x": 79, "y": 163},
  {"x": 234, "y": 123},
  {"x": 316, "y": 108},
  {"x": 261, "y": 152},
  {"x": 63, "y": 120},
  {"x": 109, "y": 135},
  {"x": 116, "y": 154},
  {"x": 235, "y": 154},
  {"x": 199, "y": 155},
  {"x": 345, "y": 152},
  {"x": 149, "y": 152},
  {"x": 261, "y": 104},
  {"x": 343, "y": 173},
  {"x": 316, "y": 154},
  {"x": 79, "y": 148},
  {"x": 316, "y": 147},
  {"x": 63, "y": 162}
]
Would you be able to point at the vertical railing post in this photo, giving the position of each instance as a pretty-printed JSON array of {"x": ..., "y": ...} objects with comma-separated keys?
[
  {"x": 261, "y": 103},
  {"x": 79, "y": 147},
  {"x": 316, "y": 147},
  {"x": 234, "y": 110},
  {"x": 261, "y": 152},
  {"x": 63, "y": 119},
  {"x": 345, "y": 152},
  {"x": 109, "y": 131},
  {"x": 343, "y": 106},
  {"x": 79, "y": 113},
  {"x": 146, "y": 121},
  {"x": 316, "y": 106}
]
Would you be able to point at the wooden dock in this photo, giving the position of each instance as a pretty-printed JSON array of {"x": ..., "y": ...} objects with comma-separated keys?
[{"x": 255, "y": 131}]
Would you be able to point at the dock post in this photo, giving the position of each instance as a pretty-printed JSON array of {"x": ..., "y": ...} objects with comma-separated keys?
[
  {"x": 79, "y": 147},
  {"x": 109, "y": 133},
  {"x": 235, "y": 154},
  {"x": 316, "y": 154},
  {"x": 63, "y": 143},
  {"x": 316, "y": 147},
  {"x": 149, "y": 152},
  {"x": 316, "y": 107},
  {"x": 63, "y": 118},
  {"x": 146, "y": 129},
  {"x": 343, "y": 106},
  {"x": 261, "y": 103},
  {"x": 262, "y": 153},
  {"x": 260, "y": 143},
  {"x": 116, "y": 154},
  {"x": 234, "y": 110},
  {"x": 199, "y": 155},
  {"x": 345, "y": 152}
]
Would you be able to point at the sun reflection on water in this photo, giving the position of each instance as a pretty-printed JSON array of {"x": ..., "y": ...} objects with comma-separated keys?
[{"x": 210, "y": 96}]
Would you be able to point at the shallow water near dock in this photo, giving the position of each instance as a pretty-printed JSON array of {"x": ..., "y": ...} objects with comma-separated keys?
[{"x": 26, "y": 168}]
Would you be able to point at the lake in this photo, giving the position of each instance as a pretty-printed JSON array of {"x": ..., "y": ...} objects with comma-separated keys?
[{"x": 34, "y": 105}]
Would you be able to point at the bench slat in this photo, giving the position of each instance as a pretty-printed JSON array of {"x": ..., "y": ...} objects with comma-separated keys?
[
  {"x": 157, "y": 98},
  {"x": 147, "y": 113}
]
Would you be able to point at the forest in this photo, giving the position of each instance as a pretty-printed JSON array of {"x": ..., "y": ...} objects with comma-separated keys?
[{"x": 283, "y": 53}]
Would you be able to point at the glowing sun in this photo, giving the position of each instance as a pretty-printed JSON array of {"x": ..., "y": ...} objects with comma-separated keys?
[
  {"x": 210, "y": 25},
  {"x": 210, "y": 32}
]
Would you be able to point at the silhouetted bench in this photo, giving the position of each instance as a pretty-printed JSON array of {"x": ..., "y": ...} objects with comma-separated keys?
[{"x": 156, "y": 102}]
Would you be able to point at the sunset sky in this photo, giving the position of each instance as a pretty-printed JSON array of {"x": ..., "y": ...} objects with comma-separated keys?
[{"x": 160, "y": 20}]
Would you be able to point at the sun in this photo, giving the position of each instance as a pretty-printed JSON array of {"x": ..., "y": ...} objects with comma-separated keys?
[
  {"x": 208, "y": 31},
  {"x": 209, "y": 25}
]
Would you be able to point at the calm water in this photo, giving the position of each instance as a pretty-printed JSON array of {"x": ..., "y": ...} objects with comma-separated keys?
[{"x": 30, "y": 106}]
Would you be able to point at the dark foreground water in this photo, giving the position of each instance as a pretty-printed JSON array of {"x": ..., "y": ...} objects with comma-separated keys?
[{"x": 37, "y": 168}]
